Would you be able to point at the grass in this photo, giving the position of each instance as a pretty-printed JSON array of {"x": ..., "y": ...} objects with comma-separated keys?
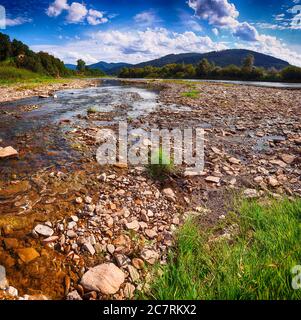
[
  {"x": 92, "y": 110},
  {"x": 193, "y": 94},
  {"x": 160, "y": 170},
  {"x": 256, "y": 265}
]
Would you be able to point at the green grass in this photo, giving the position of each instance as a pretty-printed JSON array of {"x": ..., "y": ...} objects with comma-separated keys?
[
  {"x": 194, "y": 94},
  {"x": 256, "y": 265},
  {"x": 163, "y": 169},
  {"x": 92, "y": 110}
]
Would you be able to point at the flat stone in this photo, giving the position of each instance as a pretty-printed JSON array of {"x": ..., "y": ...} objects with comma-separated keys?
[
  {"x": 71, "y": 234},
  {"x": 105, "y": 278},
  {"x": 27, "y": 254},
  {"x": 279, "y": 163},
  {"x": 288, "y": 158},
  {"x": 169, "y": 194},
  {"x": 88, "y": 247},
  {"x": 213, "y": 179},
  {"x": 234, "y": 160},
  {"x": 50, "y": 239},
  {"x": 8, "y": 152},
  {"x": 44, "y": 231},
  {"x": 134, "y": 225},
  {"x": 150, "y": 256},
  {"x": 150, "y": 233}
]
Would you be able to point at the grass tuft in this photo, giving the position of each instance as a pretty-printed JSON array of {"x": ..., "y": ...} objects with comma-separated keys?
[{"x": 256, "y": 265}]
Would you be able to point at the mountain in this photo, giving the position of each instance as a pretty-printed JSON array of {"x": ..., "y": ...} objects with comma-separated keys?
[
  {"x": 70, "y": 66},
  {"x": 220, "y": 58}
]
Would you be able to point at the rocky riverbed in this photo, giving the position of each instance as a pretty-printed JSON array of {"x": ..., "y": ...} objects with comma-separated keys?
[{"x": 72, "y": 229}]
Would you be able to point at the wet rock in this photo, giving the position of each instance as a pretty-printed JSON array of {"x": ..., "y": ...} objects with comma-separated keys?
[
  {"x": 105, "y": 278},
  {"x": 27, "y": 254},
  {"x": 11, "y": 243},
  {"x": 12, "y": 291},
  {"x": 43, "y": 230},
  {"x": 15, "y": 189},
  {"x": 8, "y": 152},
  {"x": 73, "y": 295}
]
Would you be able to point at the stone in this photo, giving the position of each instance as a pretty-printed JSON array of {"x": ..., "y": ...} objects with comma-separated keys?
[
  {"x": 138, "y": 263},
  {"x": 11, "y": 243},
  {"x": 234, "y": 160},
  {"x": 27, "y": 254},
  {"x": 279, "y": 163},
  {"x": 88, "y": 200},
  {"x": 3, "y": 279},
  {"x": 73, "y": 295},
  {"x": 169, "y": 194},
  {"x": 121, "y": 165},
  {"x": 88, "y": 247},
  {"x": 71, "y": 225},
  {"x": 213, "y": 179},
  {"x": 50, "y": 239},
  {"x": 288, "y": 158},
  {"x": 250, "y": 193},
  {"x": 150, "y": 233},
  {"x": 258, "y": 179},
  {"x": 134, "y": 225},
  {"x": 121, "y": 260},
  {"x": 105, "y": 278},
  {"x": 8, "y": 152},
  {"x": 71, "y": 234},
  {"x": 273, "y": 182},
  {"x": 144, "y": 217},
  {"x": 149, "y": 256},
  {"x": 12, "y": 291},
  {"x": 134, "y": 274},
  {"x": 129, "y": 290},
  {"x": 111, "y": 248},
  {"x": 79, "y": 200},
  {"x": 44, "y": 231}
]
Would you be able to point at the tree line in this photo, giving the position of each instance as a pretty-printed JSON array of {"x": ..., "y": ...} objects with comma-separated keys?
[
  {"x": 206, "y": 70},
  {"x": 17, "y": 54}
]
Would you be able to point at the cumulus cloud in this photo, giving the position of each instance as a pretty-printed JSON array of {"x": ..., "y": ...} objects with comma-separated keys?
[
  {"x": 76, "y": 12},
  {"x": 146, "y": 18},
  {"x": 131, "y": 46},
  {"x": 246, "y": 32},
  {"x": 218, "y": 12},
  {"x": 16, "y": 21}
]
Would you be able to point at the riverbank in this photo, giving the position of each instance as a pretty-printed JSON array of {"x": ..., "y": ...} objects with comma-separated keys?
[
  {"x": 61, "y": 213},
  {"x": 43, "y": 87}
]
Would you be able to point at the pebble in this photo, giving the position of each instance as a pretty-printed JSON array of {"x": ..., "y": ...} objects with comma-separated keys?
[
  {"x": 213, "y": 179},
  {"x": 111, "y": 248},
  {"x": 43, "y": 230},
  {"x": 73, "y": 295},
  {"x": 129, "y": 290},
  {"x": 88, "y": 247},
  {"x": 71, "y": 234},
  {"x": 134, "y": 225},
  {"x": 12, "y": 291}
]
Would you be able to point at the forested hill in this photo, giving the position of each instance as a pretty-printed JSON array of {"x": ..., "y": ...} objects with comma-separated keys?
[{"x": 219, "y": 58}]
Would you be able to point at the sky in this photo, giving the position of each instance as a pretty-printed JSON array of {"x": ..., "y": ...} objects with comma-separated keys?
[{"x": 134, "y": 31}]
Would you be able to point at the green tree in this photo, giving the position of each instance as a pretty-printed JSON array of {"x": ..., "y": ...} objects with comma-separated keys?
[
  {"x": 203, "y": 68},
  {"x": 5, "y": 47},
  {"x": 248, "y": 63},
  {"x": 81, "y": 65}
]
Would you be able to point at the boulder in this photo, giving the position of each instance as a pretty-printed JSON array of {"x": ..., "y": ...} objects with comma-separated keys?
[
  {"x": 105, "y": 278},
  {"x": 8, "y": 152}
]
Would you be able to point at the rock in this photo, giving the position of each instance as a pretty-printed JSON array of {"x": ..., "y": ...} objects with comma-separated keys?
[
  {"x": 50, "y": 239},
  {"x": 234, "y": 160},
  {"x": 258, "y": 179},
  {"x": 134, "y": 274},
  {"x": 88, "y": 247},
  {"x": 27, "y": 254},
  {"x": 288, "y": 158},
  {"x": 169, "y": 194},
  {"x": 213, "y": 179},
  {"x": 44, "y": 231},
  {"x": 88, "y": 200},
  {"x": 144, "y": 217},
  {"x": 150, "y": 233},
  {"x": 250, "y": 193},
  {"x": 121, "y": 165},
  {"x": 3, "y": 279},
  {"x": 71, "y": 225},
  {"x": 8, "y": 152},
  {"x": 273, "y": 182},
  {"x": 149, "y": 256},
  {"x": 74, "y": 218},
  {"x": 12, "y": 291},
  {"x": 111, "y": 248},
  {"x": 105, "y": 278},
  {"x": 73, "y": 295},
  {"x": 138, "y": 263},
  {"x": 79, "y": 200},
  {"x": 134, "y": 225},
  {"x": 129, "y": 290},
  {"x": 278, "y": 163},
  {"x": 122, "y": 260},
  {"x": 71, "y": 234},
  {"x": 11, "y": 243}
]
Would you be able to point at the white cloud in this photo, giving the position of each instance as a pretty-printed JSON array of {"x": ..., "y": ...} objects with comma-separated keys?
[
  {"x": 215, "y": 31},
  {"x": 131, "y": 46},
  {"x": 57, "y": 7},
  {"x": 77, "y": 12},
  {"x": 218, "y": 12},
  {"x": 244, "y": 31},
  {"x": 146, "y": 18},
  {"x": 16, "y": 21},
  {"x": 96, "y": 17}
]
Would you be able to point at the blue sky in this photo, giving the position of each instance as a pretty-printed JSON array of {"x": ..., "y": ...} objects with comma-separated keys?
[{"x": 139, "y": 30}]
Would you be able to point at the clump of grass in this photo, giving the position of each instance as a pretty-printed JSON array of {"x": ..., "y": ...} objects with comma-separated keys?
[
  {"x": 92, "y": 110},
  {"x": 160, "y": 169},
  {"x": 255, "y": 265},
  {"x": 193, "y": 94}
]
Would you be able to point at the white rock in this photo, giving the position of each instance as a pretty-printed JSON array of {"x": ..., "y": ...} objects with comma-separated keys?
[
  {"x": 43, "y": 230},
  {"x": 150, "y": 256},
  {"x": 73, "y": 295},
  {"x": 169, "y": 194},
  {"x": 105, "y": 278},
  {"x": 3, "y": 280},
  {"x": 134, "y": 225},
  {"x": 8, "y": 152},
  {"x": 213, "y": 179},
  {"x": 12, "y": 291},
  {"x": 88, "y": 247},
  {"x": 111, "y": 248},
  {"x": 251, "y": 193}
]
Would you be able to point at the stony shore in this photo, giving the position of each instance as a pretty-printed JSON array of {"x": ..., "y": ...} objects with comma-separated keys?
[{"x": 94, "y": 232}]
